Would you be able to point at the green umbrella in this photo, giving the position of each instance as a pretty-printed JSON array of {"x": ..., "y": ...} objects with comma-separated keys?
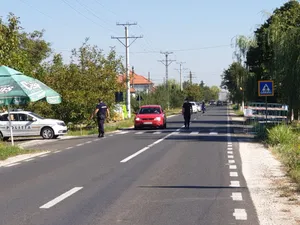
[{"x": 17, "y": 89}]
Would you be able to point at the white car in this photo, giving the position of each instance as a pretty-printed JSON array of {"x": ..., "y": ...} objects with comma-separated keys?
[
  {"x": 25, "y": 123},
  {"x": 194, "y": 107}
]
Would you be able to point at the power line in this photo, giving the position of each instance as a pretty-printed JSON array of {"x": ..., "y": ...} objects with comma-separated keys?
[
  {"x": 188, "y": 49},
  {"x": 127, "y": 45},
  {"x": 94, "y": 14},
  {"x": 35, "y": 8},
  {"x": 67, "y": 3}
]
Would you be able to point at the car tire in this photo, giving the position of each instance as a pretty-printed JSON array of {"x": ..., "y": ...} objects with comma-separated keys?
[
  {"x": 3, "y": 138},
  {"x": 47, "y": 133},
  {"x": 136, "y": 128},
  {"x": 165, "y": 126},
  {"x": 55, "y": 136}
]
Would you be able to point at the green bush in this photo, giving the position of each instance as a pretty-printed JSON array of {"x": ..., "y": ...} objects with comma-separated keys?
[
  {"x": 281, "y": 134},
  {"x": 287, "y": 144}
]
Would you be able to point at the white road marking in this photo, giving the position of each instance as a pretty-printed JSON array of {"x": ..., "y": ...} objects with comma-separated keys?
[
  {"x": 229, "y": 143},
  {"x": 234, "y": 183},
  {"x": 229, "y": 152},
  {"x": 111, "y": 135},
  {"x": 57, "y": 151},
  {"x": 240, "y": 214},
  {"x": 140, "y": 132},
  {"x": 88, "y": 142},
  {"x": 41, "y": 156},
  {"x": 213, "y": 133},
  {"x": 231, "y": 161},
  {"x": 234, "y": 174},
  {"x": 232, "y": 167},
  {"x": 13, "y": 164},
  {"x": 230, "y": 156},
  {"x": 157, "y": 132},
  {"x": 194, "y": 133},
  {"x": 69, "y": 148},
  {"x": 96, "y": 139},
  {"x": 123, "y": 132},
  {"x": 27, "y": 160},
  {"x": 79, "y": 144},
  {"x": 60, "y": 198},
  {"x": 175, "y": 133},
  {"x": 229, "y": 148},
  {"x": 237, "y": 196},
  {"x": 146, "y": 148}
]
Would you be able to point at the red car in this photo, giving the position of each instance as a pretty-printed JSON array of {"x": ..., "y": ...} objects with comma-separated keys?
[{"x": 150, "y": 116}]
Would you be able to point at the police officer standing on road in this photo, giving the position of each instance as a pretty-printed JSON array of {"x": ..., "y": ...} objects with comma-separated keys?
[
  {"x": 186, "y": 112},
  {"x": 102, "y": 113}
]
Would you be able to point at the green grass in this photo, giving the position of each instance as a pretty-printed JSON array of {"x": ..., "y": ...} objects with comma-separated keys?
[
  {"x": 6, "y": 151},
  {"x": 286, "y": 144},
  {"x": 237, "y": 110}
]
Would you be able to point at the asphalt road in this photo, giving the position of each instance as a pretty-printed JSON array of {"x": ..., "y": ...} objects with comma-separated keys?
[{"x": 173, "y": 176}]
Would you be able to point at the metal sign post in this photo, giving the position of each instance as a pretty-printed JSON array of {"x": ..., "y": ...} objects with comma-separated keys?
[{"x": 266, "y": 88}]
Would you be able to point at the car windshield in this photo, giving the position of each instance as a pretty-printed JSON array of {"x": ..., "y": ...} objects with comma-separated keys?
[
  {"x": 36, "y": 115},
  {"x": 149, "y": 110}
]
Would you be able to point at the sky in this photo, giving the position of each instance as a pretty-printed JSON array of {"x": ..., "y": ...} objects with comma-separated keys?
[{"x": 199, "y": 33}]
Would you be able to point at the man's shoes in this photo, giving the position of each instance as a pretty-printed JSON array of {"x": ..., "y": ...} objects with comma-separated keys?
[{"x": 101, "y": 135}]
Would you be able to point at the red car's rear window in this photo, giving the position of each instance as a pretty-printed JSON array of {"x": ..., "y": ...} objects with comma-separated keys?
[{"x": 152, "y": 110}]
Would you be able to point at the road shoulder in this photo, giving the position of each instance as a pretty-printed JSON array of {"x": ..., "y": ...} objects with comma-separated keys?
[{"x": 269, "y": 186}]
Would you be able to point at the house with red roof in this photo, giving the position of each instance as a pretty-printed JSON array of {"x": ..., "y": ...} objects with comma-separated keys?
[{"x": 138, "y": 83}]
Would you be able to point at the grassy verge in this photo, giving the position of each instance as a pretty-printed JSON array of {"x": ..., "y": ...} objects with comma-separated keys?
[
  {"x": 237, "y": 110},
  {"x": 286, "y": 143},
  {"x": 7, "y": 151},
  {"x": 113, "y": 126}
]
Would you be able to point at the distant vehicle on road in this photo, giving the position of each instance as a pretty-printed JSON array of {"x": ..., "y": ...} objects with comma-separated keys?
[
  {"x": 194, "y": 107},
  {"x": 150, "y": 116},
  {"x": 26, "y": 123},
  {"x": 219, "y": 103}
]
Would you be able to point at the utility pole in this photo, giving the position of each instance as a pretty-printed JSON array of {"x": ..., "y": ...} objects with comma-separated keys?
[
  {"x": 191, "y": 77},
  {"x": 127, "y": 45},
  {"x": 180, "y": 72},
  {"x": 149, "y": 83},
  {"x": 167, "y": 63}
]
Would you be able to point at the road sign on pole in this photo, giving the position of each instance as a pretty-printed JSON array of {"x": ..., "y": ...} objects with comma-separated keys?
[{"x": 265, "y": 88}]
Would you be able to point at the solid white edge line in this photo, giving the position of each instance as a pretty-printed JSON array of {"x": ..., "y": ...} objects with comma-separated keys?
[
  {"x": 60, "y": 198},
  {"x": 28, "y": 160},
  {"x": 12, "y": 164},
  {"x": 41, "y": 156}
]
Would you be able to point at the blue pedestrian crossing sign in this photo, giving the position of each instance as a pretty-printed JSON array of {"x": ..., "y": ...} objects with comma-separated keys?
[{"x": 265, "y": 88}]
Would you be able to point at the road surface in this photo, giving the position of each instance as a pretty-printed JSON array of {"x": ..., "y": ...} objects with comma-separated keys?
[{"x": 162, "y": 177}]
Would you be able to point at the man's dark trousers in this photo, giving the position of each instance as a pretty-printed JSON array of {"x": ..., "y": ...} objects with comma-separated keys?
[
  {"x": 187, "y": 118},
  {"x": 100, "y": 126}
]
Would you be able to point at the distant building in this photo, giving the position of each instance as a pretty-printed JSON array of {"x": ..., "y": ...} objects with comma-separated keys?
[{"x": 138, "y": 83}]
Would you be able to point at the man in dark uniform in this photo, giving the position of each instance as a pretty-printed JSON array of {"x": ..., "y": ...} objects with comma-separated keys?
[
  {"x": 186, "y": 112},
  {"x": 102, "y": 112}
]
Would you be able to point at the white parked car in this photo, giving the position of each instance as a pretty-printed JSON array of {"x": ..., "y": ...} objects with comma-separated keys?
[
  {"x": 25, "y": 123},
  {"x": 195, "y": 107}
]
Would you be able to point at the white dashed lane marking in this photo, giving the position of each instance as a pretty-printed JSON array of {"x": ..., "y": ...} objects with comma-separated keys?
[
  {"x": 232, "y": 167},
  {"x": 234, "y": 174},
  {"x": 235, "y": 183},
  {"x": 237, "y": 196},
  {"x": 60, "y": 198},
  {"x": 230, "y": 156},
  {"x": 240, "y": 214},
  {"x": 231, "y": 161}
]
